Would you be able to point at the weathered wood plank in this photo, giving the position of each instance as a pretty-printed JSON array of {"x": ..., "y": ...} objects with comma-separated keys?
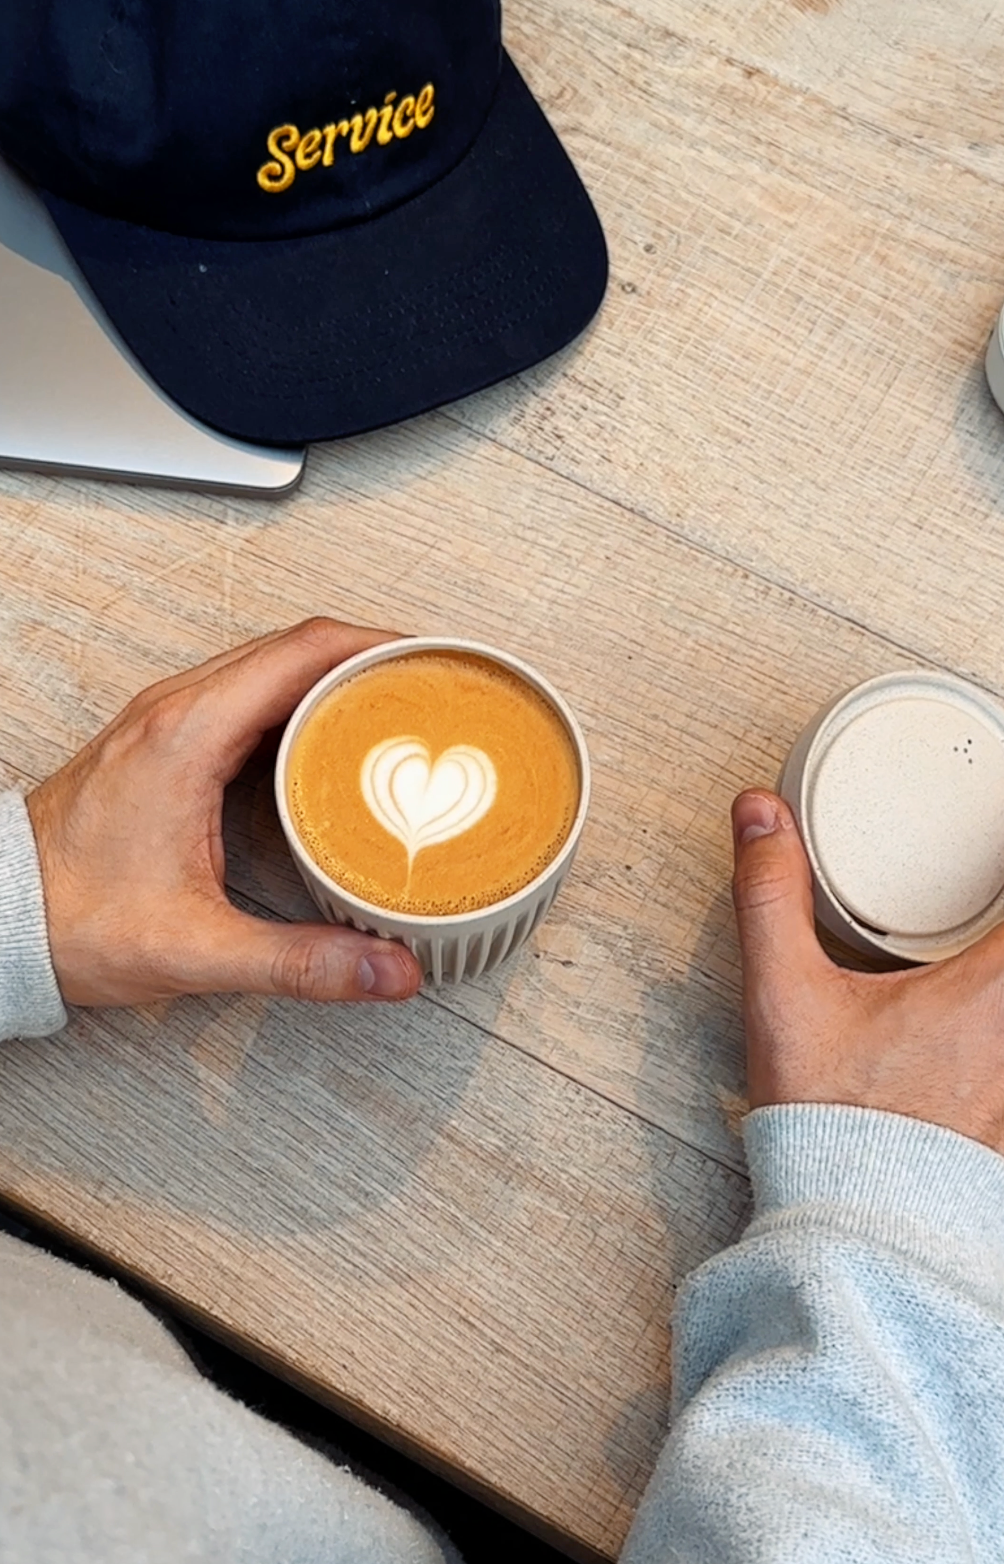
[
  {"x": 788, "y": 367},
  {"x": 925, "y": 72}
]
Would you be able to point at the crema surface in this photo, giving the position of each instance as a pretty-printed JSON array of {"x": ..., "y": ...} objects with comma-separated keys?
[{"x": 433, "y": 784}]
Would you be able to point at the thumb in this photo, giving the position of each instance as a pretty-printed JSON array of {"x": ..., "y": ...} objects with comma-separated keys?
[
  {"x": 772, "y": 890},
  {"x": 318, "y": 961}
]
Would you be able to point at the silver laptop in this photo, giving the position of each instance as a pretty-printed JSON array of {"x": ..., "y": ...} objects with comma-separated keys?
[{"x": 73, "y": 398}]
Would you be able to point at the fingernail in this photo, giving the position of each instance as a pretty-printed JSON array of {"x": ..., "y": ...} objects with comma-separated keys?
[
  {"x": 753, "y": 815},
  {"x": 384, "y": 976}
]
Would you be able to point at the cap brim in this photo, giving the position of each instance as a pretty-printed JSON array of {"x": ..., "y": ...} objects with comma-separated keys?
[{"x": 496, "y": 266}]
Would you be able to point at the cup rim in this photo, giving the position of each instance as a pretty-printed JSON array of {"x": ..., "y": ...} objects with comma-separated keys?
[{"x": 389, "y": 651}]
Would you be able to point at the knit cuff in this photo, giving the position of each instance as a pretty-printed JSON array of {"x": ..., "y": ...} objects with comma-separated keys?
[
  {"x": 879, "y": 1176},
  {"x": 30, "y": 1002}
]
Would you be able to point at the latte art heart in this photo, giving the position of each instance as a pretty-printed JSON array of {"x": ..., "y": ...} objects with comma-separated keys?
[
  {"x": 421, "y": 802},
  {"x": 433, "y": 784}
]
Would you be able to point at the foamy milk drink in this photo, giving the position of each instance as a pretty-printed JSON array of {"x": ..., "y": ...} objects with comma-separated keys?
[
  {"x": 434, "y": 791},
  {"x": 898, "y": 790}
]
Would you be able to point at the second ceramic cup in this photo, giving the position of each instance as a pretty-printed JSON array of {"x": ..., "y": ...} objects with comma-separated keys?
[
  {"x": 898, "y": 790},
  {"x": 459, "y": 945}
]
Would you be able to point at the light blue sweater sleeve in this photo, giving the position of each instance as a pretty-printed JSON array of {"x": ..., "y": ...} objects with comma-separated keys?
[
  {"x": 839, "y": 1373},
  {"x": 30, "y": 1003}
]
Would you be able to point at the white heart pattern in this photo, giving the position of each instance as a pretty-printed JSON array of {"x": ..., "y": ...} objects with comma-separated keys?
[{"x": 422, "y": 804}]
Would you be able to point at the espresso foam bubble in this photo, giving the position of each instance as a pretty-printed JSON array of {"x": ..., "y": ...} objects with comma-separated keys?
[{"x": 421, "y": 711}]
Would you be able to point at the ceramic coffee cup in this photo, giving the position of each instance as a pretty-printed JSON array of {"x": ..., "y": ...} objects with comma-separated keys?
[
  {"x": 458, "y": 945},
  {"x": 994, "y": 361},
  {"x": 898, "y": 790}
]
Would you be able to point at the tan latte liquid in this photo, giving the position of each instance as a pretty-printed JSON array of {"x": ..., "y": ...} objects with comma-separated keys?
[{"x": 434, "y": 783}]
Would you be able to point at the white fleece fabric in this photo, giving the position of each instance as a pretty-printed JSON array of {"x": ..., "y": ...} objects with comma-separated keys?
[{"x": 115, "y": 1450}]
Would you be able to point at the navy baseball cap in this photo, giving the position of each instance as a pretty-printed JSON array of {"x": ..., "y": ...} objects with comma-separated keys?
[{"x": 307, "y": 218}]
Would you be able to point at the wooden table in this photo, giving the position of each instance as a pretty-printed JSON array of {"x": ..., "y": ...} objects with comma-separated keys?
[{"x": 772, "y": 468}]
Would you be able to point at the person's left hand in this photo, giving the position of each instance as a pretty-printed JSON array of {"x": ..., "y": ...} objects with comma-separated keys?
[{"x": 129, "y": 836}]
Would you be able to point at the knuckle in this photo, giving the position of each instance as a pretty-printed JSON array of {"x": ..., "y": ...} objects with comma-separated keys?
[
  {"x": 759, "y": 885},
  {"x": 136, "y": 708},
  {"x": 317, "y": 631},
  {"x": 150, "y": 695},
  {"x": 300, "y": 971},
  {"x": 159, "y": 722}
]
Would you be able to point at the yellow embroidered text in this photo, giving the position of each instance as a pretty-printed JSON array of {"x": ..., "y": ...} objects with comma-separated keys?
[{"x": 292, "y": 151}]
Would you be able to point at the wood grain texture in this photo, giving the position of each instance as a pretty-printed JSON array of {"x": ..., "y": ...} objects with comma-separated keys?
[
  {"x": 454, "y": 1245},
  {"x": 788, "y": 367},
  {"x": 770, "y": 469},
  {"x": 925, "y": 72}
]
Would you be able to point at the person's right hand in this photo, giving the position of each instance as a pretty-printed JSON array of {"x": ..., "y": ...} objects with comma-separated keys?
[
  {"x": 928, "y": 1042},
  {"x": 130, "y": 841}
]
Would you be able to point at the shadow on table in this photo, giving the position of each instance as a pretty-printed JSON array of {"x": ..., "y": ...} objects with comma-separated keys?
[
  {"x": 718, "y": 1211},
  {"x": 259, "y": 1117},
  {"x": 979, "y": 430}
]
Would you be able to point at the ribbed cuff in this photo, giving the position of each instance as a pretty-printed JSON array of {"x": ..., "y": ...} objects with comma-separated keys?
[
  {"x": 880, "y": 1176},
  {"x": 30, "y": 1002}
]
